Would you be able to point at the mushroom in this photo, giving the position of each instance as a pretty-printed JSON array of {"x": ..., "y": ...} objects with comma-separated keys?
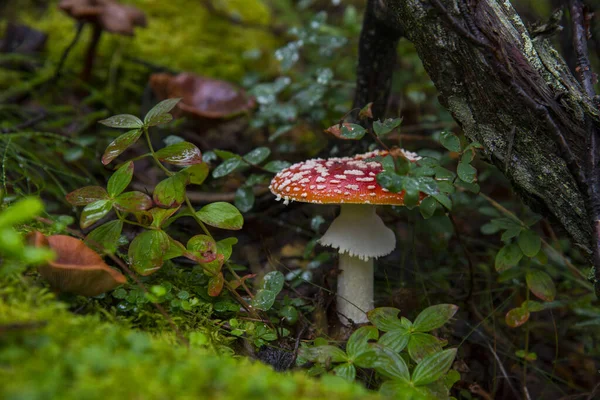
[
  {"x": 77, "y": 268},
  {"x": 201, "y": 97},
  {"x": 106, "y": 15},
  {"x": 358, "y": 232}
]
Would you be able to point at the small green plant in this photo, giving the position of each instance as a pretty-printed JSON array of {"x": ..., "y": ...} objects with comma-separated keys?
[
  {"x": 183, "y": 164},
  {"x": 403, "y": 344}
]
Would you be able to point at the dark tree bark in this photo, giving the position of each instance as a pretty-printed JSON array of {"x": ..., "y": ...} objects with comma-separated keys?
[
  {"x": 376, "y": 58},
  {"x": 512, "y": 93}
]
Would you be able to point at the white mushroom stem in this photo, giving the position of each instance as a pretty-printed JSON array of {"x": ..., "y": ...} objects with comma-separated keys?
[{"x": 360, "y": 236}]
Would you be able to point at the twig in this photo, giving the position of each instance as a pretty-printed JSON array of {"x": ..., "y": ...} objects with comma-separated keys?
[{"x": 67, "y": 51}]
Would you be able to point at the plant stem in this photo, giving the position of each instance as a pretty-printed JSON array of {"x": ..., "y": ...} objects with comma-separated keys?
[
  {"x": 153, "y": 153},
  {"x": 198, "y": 220}
]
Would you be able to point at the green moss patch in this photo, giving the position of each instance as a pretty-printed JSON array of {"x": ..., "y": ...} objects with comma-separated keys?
[
  {"x": 181, "y": 35},
  {"x": 47, "y": 352}
]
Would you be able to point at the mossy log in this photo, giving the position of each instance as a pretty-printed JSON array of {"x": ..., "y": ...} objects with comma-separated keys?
[{"x": 509, "y": 91}]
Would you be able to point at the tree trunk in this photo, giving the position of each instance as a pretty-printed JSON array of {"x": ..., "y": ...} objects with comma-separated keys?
[{"x": 512, "y": 93}]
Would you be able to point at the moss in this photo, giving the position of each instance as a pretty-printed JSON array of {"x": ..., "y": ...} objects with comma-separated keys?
[
  {"x": 83, "y": 357},
  {"x": 181, "y": 35}
]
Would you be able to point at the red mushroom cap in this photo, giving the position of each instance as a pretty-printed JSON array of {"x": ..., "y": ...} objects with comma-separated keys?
[{"x": 349, "y": 180}]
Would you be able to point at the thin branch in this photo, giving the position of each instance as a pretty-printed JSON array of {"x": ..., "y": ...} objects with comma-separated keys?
[{"x": 67, "y": 51}]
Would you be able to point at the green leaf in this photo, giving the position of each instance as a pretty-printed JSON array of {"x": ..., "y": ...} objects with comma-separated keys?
[
  {"x": 390, "y": 180},
  {"x": 170, "y": 192},
  {"x": 21, "y": 211},
  {"x": 156, "y": 115},
  {"x": 446, "y": 187},
  {"x": 346, "y": 371},
  {"x": 324, "y": 354},
  {"x": 450, "y": 141},
  {"x": 444, "y": 200},
  {"x": 264, "y": 299},
  {"x": 175, "y": 249},
  {"x": 257, "y": 155},
  {"x": 434, "y": 317},
  {"x": 226, "y": 167},
  {"x": 541, "y": 285},
  {"x": 385, "y": 318},
  {"x": 273, "y": 281},
  {"x": 271, "y": 286},
  {"x": 160, "y": 215},
  {"x": 182, "y": 154},
  {"x": 370, "y": 358},
  {"x": 529, "y": 242},
  {"x": 133, "y": 202},
  {"x": 94, "y": 212},
  {"x": 197, "y": 173},
  {"x": 444, "y": 174},
  {"x": 391, "y": 364},
  {"x": 511, "y": 233},
  {"x": 471, "y": 187},
  {"x": 396, "y": 340},
  {"x": 427, "y": 207},
  {"x": 120, "y": 179},
  {"x": 508, "y": 257},
  {"x": 86, "y": 195},
  {"x": 424, "y": 184},
  {"x": 421, "y": 345},
  {"x": 359, "y": 340},
  {"x": 225, "y": 247},
  {"x": 104, "y": 239},
  {"x": 123, "y": 121},
  {"x": 221, "y": 215},
  {"x": 489, "y": 229},
  {"x": 215, "y": 285},
  {"x": 201, "y": 247},
  {"x": 467, "y": 156},
  {"x": 517, "y": 317},
  {"x": 352, "y": 131},
  {"x": 276, "y": 166},
  {"x": 401, "y": 389},
  {"x": 411, "y": 198},
  {"x": 433, "y": 367},
  {"x": 385, "y": 127},
  {"x": 120, "y": 144},
  {"x": 466, "y": 172},
  {"x": 244, "y": 198},
  {"x": 403, "y": 166},
  {"x": 146, "y": 251}
]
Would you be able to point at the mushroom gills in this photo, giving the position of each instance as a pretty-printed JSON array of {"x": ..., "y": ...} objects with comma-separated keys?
[{"x": 359, "y": 232}]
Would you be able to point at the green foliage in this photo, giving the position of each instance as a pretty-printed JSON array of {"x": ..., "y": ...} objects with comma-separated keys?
[
  {"x": 367, "y": 349},
  {"x": 83, "y": 357}
]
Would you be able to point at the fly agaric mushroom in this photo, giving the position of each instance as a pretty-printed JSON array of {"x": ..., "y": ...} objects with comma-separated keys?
[
  {"x": 107, "y": 15},
  {"x": 77, "y": 268},
  {"x": 201, "y": 97},
  {"x": 358, "y": 232}
]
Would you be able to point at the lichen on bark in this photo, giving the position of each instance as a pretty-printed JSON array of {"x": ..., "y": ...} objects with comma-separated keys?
[{"x": 509, "y": 91}]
